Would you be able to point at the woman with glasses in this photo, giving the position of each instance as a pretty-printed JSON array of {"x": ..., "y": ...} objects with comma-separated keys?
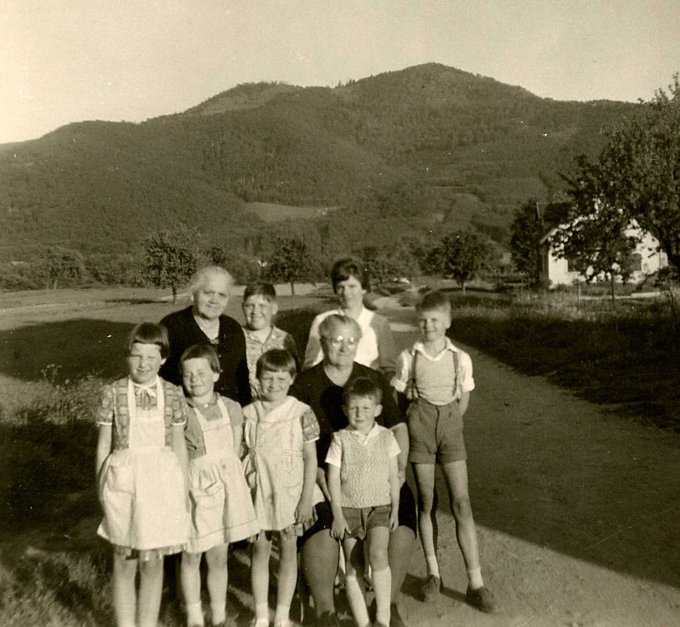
[
  {"x": 376, "y": 346},
  {"x": 321, "y": 387}
]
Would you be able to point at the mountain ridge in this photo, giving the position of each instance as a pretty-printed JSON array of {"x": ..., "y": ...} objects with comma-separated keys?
[{"x": 473, "y": 148}]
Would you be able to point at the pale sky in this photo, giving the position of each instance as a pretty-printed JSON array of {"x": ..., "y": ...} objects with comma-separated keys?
[{"x": 65, "y": 61}]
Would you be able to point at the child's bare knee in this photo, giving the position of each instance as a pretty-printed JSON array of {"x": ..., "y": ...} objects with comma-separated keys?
[
  {"x": 377, "y": 557},
  {"x": 151, "y": 568},
  {"x": 123, "y": 567},
  {"x": 426, "y": 503},
  {"x": 192, "y": 560},
  {"x": 216, "y": 558},
  {"x": 461, "y": 508}
]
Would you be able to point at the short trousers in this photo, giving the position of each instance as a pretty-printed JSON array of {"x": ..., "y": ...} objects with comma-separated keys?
[
  {"x": 361, "y": 519},
  {"x": 435, "y": 433},
  {"x": 408, "y": 516}
]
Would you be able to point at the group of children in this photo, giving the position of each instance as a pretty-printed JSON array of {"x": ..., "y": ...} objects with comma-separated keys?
[{"x": 191, "y": 471}]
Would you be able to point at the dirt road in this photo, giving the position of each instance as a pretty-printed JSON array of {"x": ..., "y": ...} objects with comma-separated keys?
[{"x": 577, "y": 510}]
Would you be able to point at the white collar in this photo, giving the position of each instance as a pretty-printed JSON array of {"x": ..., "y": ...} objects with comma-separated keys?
[
  {"x": 149, "y": 387},
  {"x": 360, "y": 436},
  {"x": 420, "y": 348}
]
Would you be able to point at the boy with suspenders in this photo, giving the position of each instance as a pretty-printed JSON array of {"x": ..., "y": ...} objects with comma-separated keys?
[{"x": 435, "y": 377}]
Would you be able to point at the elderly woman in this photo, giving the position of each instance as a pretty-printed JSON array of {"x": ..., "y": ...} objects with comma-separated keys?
[
  {"x": 321, "y": 387},
  {"x": 376, "y": 347},
  {"x": 204, "y": 322}
]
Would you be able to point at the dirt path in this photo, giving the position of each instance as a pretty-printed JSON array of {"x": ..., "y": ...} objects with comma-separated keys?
[{"x": 577, "y": 510}]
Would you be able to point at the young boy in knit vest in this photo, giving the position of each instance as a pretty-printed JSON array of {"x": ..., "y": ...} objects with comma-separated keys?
[
  {"x": 436, "y": 378},
  {"x": 364, "y": 487}
]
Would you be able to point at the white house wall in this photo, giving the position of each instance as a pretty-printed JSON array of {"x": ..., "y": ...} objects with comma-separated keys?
[{"x": 651, "y": 260}]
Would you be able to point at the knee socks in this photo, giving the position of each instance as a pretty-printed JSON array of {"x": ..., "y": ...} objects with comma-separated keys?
[
  {"x": 475, "y": 577},
  {"x": 356, "y": 600},
  {"x": 382, "y": 584}
]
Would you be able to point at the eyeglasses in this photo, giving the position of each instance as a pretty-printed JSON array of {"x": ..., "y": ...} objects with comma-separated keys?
[{"x": 339, "y": 339}]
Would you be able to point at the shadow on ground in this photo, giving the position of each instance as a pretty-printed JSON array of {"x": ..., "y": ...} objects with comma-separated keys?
[{"x": 64, "y": 350}]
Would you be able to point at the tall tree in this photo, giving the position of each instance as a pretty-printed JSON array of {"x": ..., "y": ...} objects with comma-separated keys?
[
  {"x": 290, "y": 261},
  {"x": 642, "y": 159},
  {"x": 463, "y": 255},
  {"x": 171, "y": 257},
  {"x": 597, "y": 237}
]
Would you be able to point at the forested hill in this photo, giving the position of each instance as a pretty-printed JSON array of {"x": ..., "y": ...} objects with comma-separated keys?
[{"x": 456, "y": 146}]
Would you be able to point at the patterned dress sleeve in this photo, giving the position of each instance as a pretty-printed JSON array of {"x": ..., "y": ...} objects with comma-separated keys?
[
  {"x": 310, "y": 426},
  {"x": 179, "y": 406},
  {"x": 106, "y": 405}
]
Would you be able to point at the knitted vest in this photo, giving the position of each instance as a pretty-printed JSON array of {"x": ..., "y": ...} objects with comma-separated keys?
[{"x": 364, "y": 473}]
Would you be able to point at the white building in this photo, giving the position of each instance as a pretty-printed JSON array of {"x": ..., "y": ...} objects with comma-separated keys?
[{"x": 647, "y": 259}]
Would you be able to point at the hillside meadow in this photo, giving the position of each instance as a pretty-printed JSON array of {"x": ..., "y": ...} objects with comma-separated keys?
[{"x": 58, "y": 347}]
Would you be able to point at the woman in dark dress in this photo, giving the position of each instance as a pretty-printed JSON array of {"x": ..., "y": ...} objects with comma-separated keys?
[
  {"x": 204, "y": 322},
  {"x": 321, "y": 387}
]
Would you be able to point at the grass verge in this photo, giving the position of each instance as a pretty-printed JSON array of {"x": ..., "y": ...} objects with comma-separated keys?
[{"x": 623, "y": 354}]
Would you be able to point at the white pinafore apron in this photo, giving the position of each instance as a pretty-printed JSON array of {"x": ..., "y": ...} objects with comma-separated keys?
[
  {"x": 274, "y": 466},
  {"x": 142, "y": 486},
  {"x": 222, "y": 510}
]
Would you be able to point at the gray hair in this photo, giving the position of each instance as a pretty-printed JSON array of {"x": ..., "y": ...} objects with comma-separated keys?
[
  {"x": 329, "y": 323},
  {"x": 202, "y": 274}
]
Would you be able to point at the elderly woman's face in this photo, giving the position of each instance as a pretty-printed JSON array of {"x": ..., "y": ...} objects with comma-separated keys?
[
  {"x": 212, "y": 296},
  {"x": 340, "y": 345}
]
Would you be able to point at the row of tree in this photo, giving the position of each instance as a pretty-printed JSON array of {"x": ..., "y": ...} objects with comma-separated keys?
[{"x": 173, "y": 255}]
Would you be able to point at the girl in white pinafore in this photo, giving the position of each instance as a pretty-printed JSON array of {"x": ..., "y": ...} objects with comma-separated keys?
[
  {"x": 280, "y": 434},
  {"x": 141, "y": 470},
  {"x": 221, "y": 507}
]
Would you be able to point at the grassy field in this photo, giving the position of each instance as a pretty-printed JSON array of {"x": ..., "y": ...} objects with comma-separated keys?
[
  {"x": 273, "y": 212},
  {"x": 623, "y": 355},
  {"x": 57, "y": 348}
]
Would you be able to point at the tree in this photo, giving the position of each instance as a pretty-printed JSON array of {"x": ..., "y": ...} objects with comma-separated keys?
[
  {"x": 527, "y": 230},
  {"x": 532, "y": 221},
  {"x": 386, "y": 263},
  {"x": 642, "y": 159},
  {"x": 243, "y": 268},
  {"x": 462, "y": 255},
  {"x": 171, "y": 257},
  {"x": 290, "y": 261},
  {"x": 60, "y": 264},
  {"x": 597, "y": 237}
]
